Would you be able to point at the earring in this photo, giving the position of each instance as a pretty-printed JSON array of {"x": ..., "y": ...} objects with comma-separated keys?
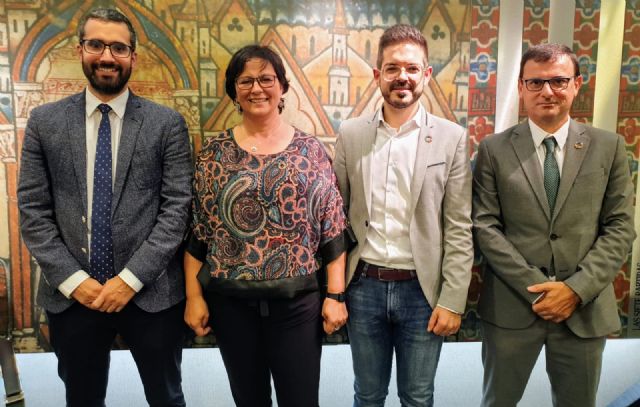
[
  {"x": 237, "y": 106},
  {"x": 281, "y": 105}
]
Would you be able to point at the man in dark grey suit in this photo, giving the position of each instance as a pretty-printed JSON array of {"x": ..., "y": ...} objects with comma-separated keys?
[
  {"x": 553, "y": 217},
  {"x": 104, "y": 194}
]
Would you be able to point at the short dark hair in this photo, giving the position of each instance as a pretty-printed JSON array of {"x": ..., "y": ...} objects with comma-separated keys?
[
  {"x": 239, "y": 60},
  {"x": 546, "y": 53},
  {"x": 107, "y": 15},
  {"x": 400, "y": 33}
]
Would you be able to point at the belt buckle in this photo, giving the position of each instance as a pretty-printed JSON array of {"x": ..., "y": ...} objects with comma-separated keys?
[{"x": 381, "y": 270}]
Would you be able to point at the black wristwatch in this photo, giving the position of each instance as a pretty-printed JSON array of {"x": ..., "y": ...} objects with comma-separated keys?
[{"x": 340, "y": 297}]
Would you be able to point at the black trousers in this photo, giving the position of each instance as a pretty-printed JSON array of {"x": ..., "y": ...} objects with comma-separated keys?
[
  {"x": 82, "y": 340},
  {"x": 260, "y": 339}
]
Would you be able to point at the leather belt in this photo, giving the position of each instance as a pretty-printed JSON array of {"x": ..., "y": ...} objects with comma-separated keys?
[{"x": 385, "y": 273}]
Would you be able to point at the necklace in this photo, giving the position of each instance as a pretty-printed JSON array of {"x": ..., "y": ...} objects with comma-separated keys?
[
  {"x": 254, "y": 147},
  {"x": 255, "y": 143}
]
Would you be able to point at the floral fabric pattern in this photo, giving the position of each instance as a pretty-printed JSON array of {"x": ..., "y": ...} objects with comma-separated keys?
[{"x": 263, "y": 217}]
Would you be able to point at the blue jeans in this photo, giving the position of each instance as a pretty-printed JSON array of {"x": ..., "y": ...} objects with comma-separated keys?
[{"x": 385, "y": 316}]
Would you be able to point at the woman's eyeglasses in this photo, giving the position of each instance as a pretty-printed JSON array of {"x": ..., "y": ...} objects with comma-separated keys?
[{"x": 246, "y": 82}]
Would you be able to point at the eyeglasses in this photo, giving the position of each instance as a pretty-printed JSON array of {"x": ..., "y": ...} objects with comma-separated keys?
[
  {"x": 391, "y": 72},
  {"x": 536, "y": 84},
  {"x": 118, "y": 49},
  {"x": 265, "y": 81}
]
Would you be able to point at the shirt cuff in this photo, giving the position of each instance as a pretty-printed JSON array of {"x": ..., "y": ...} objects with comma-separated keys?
[
  {"x": 132, "y": 281},
  {"x": 68, "y": 286},
  {"x": 449, "y": 309}
]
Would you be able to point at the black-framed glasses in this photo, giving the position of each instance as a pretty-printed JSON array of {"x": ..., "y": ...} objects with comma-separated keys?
[
  {"x": 118, "y": 49},
  {"x": 536, "y": 84},
  {"x": 265, "y": 81},
  {"x": 391, "y": 72}
]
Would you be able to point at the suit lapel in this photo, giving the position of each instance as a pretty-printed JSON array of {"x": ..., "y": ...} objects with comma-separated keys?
[
  {"x": 525, "y": 150},
  {"x": 367, "y": 146},
  {"x": 76, "y": 124},
  {"x": 424, "y": 151},
  {"x": 131, "y": 123},
  {"x": 572, "y": 161}
]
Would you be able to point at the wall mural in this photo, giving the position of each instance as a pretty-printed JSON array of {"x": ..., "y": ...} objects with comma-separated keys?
[
  {"x": 329, "y": 49},
  {"x": 629, "y": 128}
]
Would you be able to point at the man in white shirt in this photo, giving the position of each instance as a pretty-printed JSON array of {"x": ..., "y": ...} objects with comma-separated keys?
[
  {"x": 404, "y": 175},
  {"x": 553, "y": 217},
  {"x": 104, "y": 196}
]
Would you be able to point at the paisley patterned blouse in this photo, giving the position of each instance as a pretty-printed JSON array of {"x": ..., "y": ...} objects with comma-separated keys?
[{"x": 262, "y": 218}]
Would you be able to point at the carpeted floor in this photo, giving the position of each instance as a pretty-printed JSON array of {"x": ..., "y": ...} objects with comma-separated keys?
[{"x": 458, "y": 382}]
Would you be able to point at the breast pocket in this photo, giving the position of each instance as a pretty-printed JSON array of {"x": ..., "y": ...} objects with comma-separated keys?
[
  {"x": 437, "y": 177},
  {"x": 588, "y": 191},
  {"x": 592, "y": 178},
  {"x": 146, "y": 169},
  {"x": 437, "y": 172}
]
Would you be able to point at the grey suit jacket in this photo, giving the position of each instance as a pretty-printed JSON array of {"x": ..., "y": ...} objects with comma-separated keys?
[
  {"x": 152, "y": 194},
  {"x": 440, "y": 229},
  {"x": 588, "y": 237}
]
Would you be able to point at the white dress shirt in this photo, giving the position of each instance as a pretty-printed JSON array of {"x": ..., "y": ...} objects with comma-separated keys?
[
  {"x": 118, "y": 106},
  {"x": 561, "y": 140},
  {"x": 560, "y": 147},
  {"x": 387, "y": 242}
]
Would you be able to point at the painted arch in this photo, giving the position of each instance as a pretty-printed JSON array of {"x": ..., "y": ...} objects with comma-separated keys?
[{"x": 58, "y": 26}]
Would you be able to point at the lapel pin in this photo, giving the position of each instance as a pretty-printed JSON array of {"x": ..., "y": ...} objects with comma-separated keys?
[
  {"x": 427, "y": 139},
  {"x": 578, "y": 145}
]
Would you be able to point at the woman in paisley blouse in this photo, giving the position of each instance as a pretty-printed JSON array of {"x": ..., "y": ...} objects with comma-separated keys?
[{"x": 265, "y": 203}]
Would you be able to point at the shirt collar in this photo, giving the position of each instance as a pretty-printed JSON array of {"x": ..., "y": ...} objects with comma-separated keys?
[
  {"x": 117, "y": 104},
  {"x": 415, "y": 122},
  {"x": 539, "y": 135}
]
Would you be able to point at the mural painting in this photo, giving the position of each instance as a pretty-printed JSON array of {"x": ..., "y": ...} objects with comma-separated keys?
[
  {"x": 629, "y": 128},
  {"x": 329, "y": 49}
]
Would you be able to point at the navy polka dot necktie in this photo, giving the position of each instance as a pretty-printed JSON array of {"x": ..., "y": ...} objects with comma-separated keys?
[{"x": 101, "y": 241}]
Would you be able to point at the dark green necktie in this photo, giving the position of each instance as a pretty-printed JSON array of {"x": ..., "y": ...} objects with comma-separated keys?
[{"x": 551, "y": 172}]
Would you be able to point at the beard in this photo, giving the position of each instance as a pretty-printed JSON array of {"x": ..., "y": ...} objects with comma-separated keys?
[
  {"x": 107, "y": 86},
  {"x": 403, "y": 100}
]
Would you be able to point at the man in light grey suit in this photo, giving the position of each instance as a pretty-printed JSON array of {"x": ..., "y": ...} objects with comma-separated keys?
[
  {"x": 404, "y": 175},
  {"x": 553, "y": 218},
  {"x": 104, "y": 196}
]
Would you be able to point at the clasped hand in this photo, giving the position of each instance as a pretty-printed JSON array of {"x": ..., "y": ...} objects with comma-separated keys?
[
  {"x": 556, "y": 302},
  {"x": 110, "y": 297}
]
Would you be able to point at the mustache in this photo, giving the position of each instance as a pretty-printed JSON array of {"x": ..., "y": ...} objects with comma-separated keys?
[
  {"x": 99, "y": 65},
  {"x": 401, "y": 85}
]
